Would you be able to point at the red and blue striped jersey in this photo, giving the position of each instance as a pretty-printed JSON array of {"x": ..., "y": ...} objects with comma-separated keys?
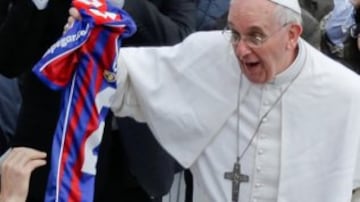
[{"x": 82, "y": 63}]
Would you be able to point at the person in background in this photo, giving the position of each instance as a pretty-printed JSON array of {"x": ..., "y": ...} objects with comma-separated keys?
[
  {"x": 10, "y": 98},
  {"x": 4, "y": 8},
  {"x": 131, "y": 161},
  {"x": 356, "y": 28},
  {"x": 28, "y": 30},
  {"x": 311, "y": 32},
  {"x": 10, "y": 101},
  {"x": 317, "y": 8},
  {"x": 211, "y": 14},
  {"x": 338, "y": 40}
]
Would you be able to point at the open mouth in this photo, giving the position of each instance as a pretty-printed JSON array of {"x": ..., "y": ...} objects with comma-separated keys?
[{"x": 251, "y": 65}]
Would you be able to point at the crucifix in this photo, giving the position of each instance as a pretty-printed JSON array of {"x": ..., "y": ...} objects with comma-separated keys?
[{"x": 236, "y": 178}]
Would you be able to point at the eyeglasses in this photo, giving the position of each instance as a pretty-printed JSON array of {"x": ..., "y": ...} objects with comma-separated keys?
[
  {"x": 254, "y": 40},
  {"x": 354, "y": 31}
]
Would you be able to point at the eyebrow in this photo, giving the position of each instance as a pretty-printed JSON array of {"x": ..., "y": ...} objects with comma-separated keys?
[
  {"x": 256, "y": 29},
  {"x": 230, "y": 25}
]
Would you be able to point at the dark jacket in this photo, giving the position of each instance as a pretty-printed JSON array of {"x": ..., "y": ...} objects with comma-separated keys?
[
  {"x": 160, "y": 22},
  {"x": 24, "y": 36},
  {"x": 317, "y": 8},
  {"x": 209, "y": 12},
  {"x": 311, "y": 32},
  {"x": 27, "y": 32},
  {"x": 4, "y": 8},
  {"x": 10, "y": 100}
]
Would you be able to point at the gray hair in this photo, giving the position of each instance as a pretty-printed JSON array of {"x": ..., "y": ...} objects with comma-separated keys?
[{"x": 286, "y": 15}]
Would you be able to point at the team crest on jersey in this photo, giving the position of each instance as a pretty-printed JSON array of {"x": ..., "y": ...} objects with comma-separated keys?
[{"x": 109, "y": 76}]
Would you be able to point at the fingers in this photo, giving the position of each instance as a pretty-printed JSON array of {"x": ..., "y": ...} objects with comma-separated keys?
[
  {"x": 27, "y": 153},
  {"x": 4, "y": 156},
  {"x": 74, "y": 15},
  {"x": 16, "y": 170},
  {"x": 69, "y": 23},
  {"x": 23, "y": 159},
  {"x": 32, "y": 165}
]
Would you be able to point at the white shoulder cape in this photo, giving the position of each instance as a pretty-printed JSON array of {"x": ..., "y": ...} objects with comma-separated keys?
[{"x": 180, "y": 95}]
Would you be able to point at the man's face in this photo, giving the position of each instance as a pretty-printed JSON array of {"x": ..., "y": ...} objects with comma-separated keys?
[{"x": 261, "y": 63}]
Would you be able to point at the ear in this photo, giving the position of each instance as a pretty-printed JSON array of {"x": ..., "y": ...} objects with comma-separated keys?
[{"x": 294, "y": 34}]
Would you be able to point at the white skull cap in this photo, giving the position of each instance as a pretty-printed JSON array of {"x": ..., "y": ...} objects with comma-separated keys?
[{"x": 292, "y": 4}]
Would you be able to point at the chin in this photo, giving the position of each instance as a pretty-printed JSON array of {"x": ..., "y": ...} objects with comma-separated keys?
[{"x": 257, "y": 80}]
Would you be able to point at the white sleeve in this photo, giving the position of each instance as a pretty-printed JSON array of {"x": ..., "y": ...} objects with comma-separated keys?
[
  {"x": 124, "y": 102},
  {"x": 185, "y": 93}
]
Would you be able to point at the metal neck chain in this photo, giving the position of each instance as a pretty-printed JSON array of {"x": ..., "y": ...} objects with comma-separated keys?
[{"x": 241, "y": 155}]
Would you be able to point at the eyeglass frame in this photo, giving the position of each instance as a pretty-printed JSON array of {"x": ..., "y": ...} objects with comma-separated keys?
[{"x": 251, "y": 41}]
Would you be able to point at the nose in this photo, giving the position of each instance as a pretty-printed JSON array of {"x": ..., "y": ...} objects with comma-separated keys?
[{"x": 242, "y": 49}]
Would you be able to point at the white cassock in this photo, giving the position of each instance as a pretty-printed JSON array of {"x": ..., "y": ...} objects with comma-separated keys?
[{"x": 307, "y": 148}]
